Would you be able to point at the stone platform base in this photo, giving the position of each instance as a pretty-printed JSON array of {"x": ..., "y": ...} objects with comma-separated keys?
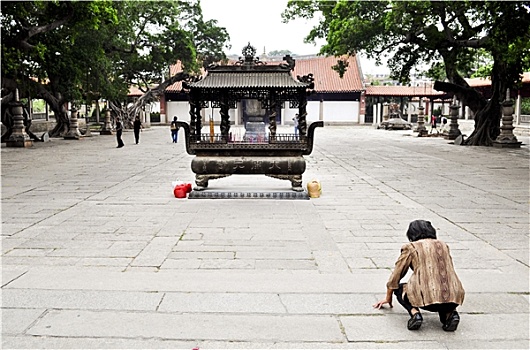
[
  {"x": 19, "y": 143},
  {"x": 507, "y": 144},
  {"x": 209, "y": 194}
]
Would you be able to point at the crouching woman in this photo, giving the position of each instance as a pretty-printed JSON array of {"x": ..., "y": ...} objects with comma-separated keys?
[{"x": 433, "y": 285}]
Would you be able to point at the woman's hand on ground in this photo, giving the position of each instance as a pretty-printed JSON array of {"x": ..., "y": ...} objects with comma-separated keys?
[{"x": 380, "y": 303}]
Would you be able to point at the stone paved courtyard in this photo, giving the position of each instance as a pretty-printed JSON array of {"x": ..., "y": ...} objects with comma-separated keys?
[{"x": 98, "y": 253}]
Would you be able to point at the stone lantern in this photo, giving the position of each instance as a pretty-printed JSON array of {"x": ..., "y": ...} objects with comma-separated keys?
[
  {"x": 19, "y": 137},
  {"x": 421, "y": 129},
  {"x": 454, "y": 131},
  {"x": 506, "y": 138},
  {"x": 73, "y": 133},
  {"x": 107, "y": 127}
]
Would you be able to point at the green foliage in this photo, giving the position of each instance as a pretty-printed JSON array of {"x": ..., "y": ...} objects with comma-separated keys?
[
  {"x": 460, "y": 38},
  {"x": 448, "y": 37},
  {"x": 341, "y": 67},
  {"x": 39, "y": 106},
  {"x": 525, "y": 106},
  {"x": 86, "y": 50}
]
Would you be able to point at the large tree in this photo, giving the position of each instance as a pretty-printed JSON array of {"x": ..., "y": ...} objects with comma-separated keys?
[
  {"x": 433, "y": 33},
  {"x": 41, "y": 53},
  {"x": 159, "y": 36},
  {"x": 75, "y": 51}
]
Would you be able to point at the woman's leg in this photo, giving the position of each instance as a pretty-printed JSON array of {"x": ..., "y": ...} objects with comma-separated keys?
[
  {"x": 415, "y": 315},
  {"x": 404, "y": 300}
]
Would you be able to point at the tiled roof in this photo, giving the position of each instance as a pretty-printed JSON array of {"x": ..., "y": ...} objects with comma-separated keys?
[
  {"x": 327, "y": 79},
  {"x": 134, "y": 91},
  {"x": 174, "y": 69},
  {"x": 477, "y": 82},
  {"x": 252, "y": 79},
  {"x": 383, "y": 90}
]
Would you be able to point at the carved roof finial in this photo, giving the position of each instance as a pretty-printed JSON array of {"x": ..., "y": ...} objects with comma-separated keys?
[{"x": 249, "y": 52}]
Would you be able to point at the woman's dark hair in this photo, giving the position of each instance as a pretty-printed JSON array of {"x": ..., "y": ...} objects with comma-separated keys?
[{"x": 420, "y": 229}]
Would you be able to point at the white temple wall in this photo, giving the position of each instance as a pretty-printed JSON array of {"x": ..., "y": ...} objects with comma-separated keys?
[
  {"x": 340, "y": 111},
  {"x": 332, "y": 111},
  {"x": 180, "y": 109}
]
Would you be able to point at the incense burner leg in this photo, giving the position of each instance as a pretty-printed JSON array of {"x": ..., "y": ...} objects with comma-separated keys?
[
  {"x": 296, "y": 183},
  {"x": 201, "y": 180}
]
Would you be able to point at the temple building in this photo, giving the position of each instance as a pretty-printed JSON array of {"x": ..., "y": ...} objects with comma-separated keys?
[{"x": 334, "y": 99}]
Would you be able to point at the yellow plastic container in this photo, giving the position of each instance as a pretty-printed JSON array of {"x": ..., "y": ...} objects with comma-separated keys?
[{"x": 314, "y": 189}]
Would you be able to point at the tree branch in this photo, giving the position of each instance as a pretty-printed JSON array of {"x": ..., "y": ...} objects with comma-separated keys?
[{"x": 29, "y": 32}]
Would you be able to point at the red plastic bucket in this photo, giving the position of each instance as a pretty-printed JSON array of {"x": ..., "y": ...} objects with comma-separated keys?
[{"x": 180, "y": 191}]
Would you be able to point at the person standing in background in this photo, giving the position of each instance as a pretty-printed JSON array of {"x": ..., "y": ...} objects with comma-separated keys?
[
  {"x": 137, "y": 125},
  {"x": 174, "y": 130},
  {"x": 119, "y": 130},
  {"x": 433, "y": 124}
]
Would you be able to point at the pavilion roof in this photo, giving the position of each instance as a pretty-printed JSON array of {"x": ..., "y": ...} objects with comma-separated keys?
[{"x": 243, "y": 77}]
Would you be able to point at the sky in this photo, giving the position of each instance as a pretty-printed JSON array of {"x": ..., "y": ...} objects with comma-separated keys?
[{"x": 260, "y": 23}]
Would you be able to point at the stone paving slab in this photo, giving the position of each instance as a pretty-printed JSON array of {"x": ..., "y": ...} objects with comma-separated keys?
[
  {"x": 93, "y": 231},
  {"x": 66, "y": 323},
  {"x": 120, "y": 343}
]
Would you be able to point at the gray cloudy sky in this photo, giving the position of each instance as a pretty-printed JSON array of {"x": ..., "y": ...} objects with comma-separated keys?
[{"x": 260, "y": 23}]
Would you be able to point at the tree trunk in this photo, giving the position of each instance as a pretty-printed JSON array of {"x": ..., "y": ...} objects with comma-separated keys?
[
  {"x": 487, "y": 112},
  {"x": 7, "y": 119},
  {"x": 486, "y": 126},
  {"x": 61, "y": 117},
  {"x": 487, "y": 121}
]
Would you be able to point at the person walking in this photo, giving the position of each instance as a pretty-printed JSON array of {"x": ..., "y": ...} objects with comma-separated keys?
[
  {"x": 295, "y": 122},
  {"x": 433, "y": 125},
  {"x": 119, "y": 130},
  {"x": 137, "y": 126},
  {"x": 174, "y": 130},
  {"x": 433, "y": 285}
]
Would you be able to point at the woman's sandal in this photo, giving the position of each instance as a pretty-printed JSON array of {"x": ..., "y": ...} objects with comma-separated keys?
[
  {"x": 452, "y": 322},
  {"x": 415, "y": 322}
]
